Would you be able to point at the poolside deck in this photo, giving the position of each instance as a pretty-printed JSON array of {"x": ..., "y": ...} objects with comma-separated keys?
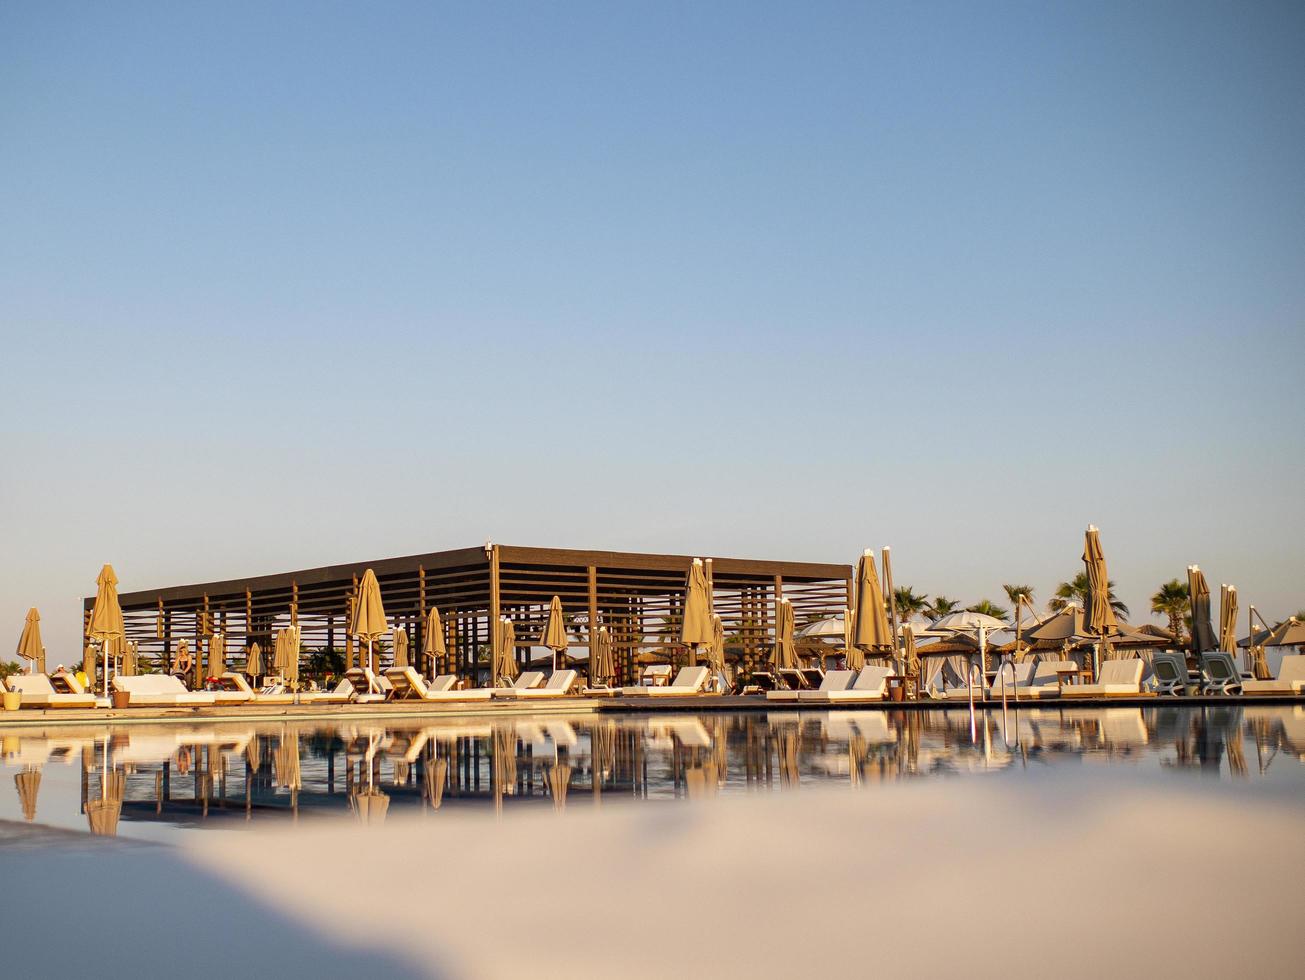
[{"x": 36, "y": 717}]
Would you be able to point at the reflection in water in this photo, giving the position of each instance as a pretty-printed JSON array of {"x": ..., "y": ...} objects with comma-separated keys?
[{"x": 230, "y": 773}]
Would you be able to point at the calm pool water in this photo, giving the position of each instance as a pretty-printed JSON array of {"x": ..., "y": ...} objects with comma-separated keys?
[{"x": 175, "y": 780}]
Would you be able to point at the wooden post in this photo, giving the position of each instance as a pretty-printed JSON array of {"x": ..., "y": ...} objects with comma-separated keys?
[
  {"x": 593, "y": 616},
  {"x": 886, "y": 552},
  {"x": 494, "y": 609},
  {"x": 294, "y": 603},
  {"x": 778, "y": 596}
]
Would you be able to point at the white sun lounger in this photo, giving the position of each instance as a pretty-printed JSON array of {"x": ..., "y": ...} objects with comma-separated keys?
[
  {"x": 341, "y": 693},
  {"x": 160, "y": 690},
  {"x": 1045, "y": 682},
  {"x": 690, "y": 680},
  {"x": 835, "y": 680},
  {"x": 1290, "y": 679},
  {"x": 38, "y": 692},
  {"x": 1118, "y": 679},
  {"x": 1022, "y": 678},
  {"x": 871, "y": 684},
  {"x": 407, "y": 683},
  {"x": 561, "y": 682}
]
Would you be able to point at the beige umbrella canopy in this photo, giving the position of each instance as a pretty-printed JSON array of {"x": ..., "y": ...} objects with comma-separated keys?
[
  {"x": 400, "y": 647},
  {"x": 1198, "y": 593},
  {"x": 602, "y": 667},
  {"x": 369, "y": 805},
  {"x": 696, "y": 628},
  {"x": 1098, "y": 616},
  {"x": 554, "y": 632},
  {"x": 716, "y": 652},
  {"x": 254, "y": 662},
  {"x": 784, "y": 654},
  {"x": 130, "y": 658},
  {"x": 28, "y": 783},
  {"x": 854, "y": 655},
  {"x": 1228, "y": 618},
  {"x": 436, "y": 771},
  {"x": 368, "y": 620},
  {"x": 102, "y": 814},
  {"x": 871, "y": 630},
  {"x": 559, "y": 779},
  {"x": 432, "y": 640},
  {"x": 106, "y": 615},
  {"x": 909, "y": 652},
  {"x": 285, "y": 762},
  {"x": 29, "y": 643},
  {"x": 1290, "y": 633},
  {"x": 505, "y": 660},
  {"x": 217, "y": 655}
]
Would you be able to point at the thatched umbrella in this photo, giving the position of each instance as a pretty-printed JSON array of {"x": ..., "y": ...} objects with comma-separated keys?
[
  {"x": 432, "y": 641},
  {"x": 504, "y": 667},
  {"x": 695, "y": 630},
  {"x": 30, "y": 646},
  {"x": 553, "y": 635},
  {"x": 1198, "y": 593},
  {"x": 217, "y": 655},
  {"x": 871, "y": 631},
  {"x": 28, "y": 783},
  {"x": 1098, "y": 615},
  {"x": 400, "y": 647},
  {"x": 106, "y": 616},
  {"x": 602, "y": 666},
  {"x": 784, "y": 654},
  {"x": 254, "y": 662},
  {"x": 1228, "y": 618},
  {"x": 368, "y": 621}
]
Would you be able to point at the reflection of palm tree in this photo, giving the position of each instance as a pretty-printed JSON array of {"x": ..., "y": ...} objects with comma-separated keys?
[
  {"x": 1075, "y": 592},
  {"x": 909, "y": 602},
  {"x": 1170, "y": 600},
  {"x": 941, "y": 606},
  {"x": 987, "y": 607}
]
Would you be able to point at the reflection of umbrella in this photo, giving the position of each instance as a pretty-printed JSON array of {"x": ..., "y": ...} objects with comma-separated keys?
[
  {"x": 400, "y": 647},
  {"x": 870, "y": 629},
  {"x": 1198, "y": 593},
  {"x": 369, "y": 805},
  {"x": 1228, "y": 618},
  {"x": 505, "y": 661},
  {"x": 368, "y": 620},
  {"x": 602, "y": 668},
  {"x": 106, "y": 616},
  {"x": 285, "y": 763},
  {"x": 602, "y": 752},
  {"x": 787, "y": 750},
  {"x": 28, "y": 783},
  {"x": 435, "y": 773},
  {"x": 29, "y": 644},
  {"x": 504, "y": 750},
  {"x": 696, "y": 627},
  {"x": 559, "y": 778},
  {"x": 784, "y": 654},
  {"x": 432, "y": 639},
  {"x": 254, "y": 666},
  {"x": 554, "y": 633},
  {"x": 217, "y": 655},
  {"x": 102, "y": 814}
]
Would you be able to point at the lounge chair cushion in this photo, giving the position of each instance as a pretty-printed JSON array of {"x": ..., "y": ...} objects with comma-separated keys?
[{"x": 1290, "y": 679}]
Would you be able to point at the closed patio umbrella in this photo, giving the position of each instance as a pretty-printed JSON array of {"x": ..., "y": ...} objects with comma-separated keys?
[
  {"x": 130, "y": 657},
  {"x": 291, "y": 668},
  {"x": 853, "y": 655},
  {"x": 28, "y": 784},
  {"x": 368, "y": 620},
  {"x": 716, "y": 655},
  {"x": 871, "y": 630},
  {"x": 217, "y": 655},
  {"x": 1199, "y": 598},
  {"x": 106, "y": 615},
  {"x": 910, "y": 655},
  {"x": 400, "y": 647},
  {"x": 784, "y": 655},
  {"x": 30, "y": 647},
  {"x": 554, "y": 632},
  {"x": 433, "y": 646},
  {"x": 695, "y": 630},
  {"x": 505, "y": 660},
  {"x": 1228, "y": 618},
  {"x": 254, "y": 661},
  {"x": 1098, "y": 615},
  {"x": 602, "y": 666}
]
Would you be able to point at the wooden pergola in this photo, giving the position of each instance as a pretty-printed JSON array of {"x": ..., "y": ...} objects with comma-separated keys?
[{"x": 638, "y": 597}]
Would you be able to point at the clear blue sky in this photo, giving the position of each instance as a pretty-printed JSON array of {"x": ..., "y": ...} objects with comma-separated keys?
[{"x": 288, "y": 284}]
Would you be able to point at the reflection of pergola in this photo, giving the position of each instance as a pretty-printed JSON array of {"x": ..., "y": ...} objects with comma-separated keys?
[{"x": 639, "y": 597}]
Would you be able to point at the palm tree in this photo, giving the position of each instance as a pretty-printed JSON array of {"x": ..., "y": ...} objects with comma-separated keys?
[
  {"x": 941, "y": 606},
  {"x": 909, "y": 602},
  {"x": 988, "y": 608},
  {"x": 1171, "y": 600},
  {"x": 1076, "y": 591}
]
